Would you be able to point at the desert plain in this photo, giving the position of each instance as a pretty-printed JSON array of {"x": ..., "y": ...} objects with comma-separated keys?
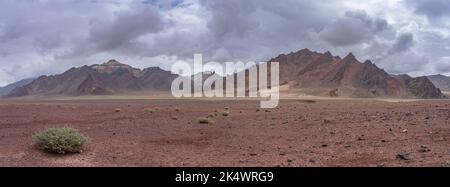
[{"x": 300, "y": 132}]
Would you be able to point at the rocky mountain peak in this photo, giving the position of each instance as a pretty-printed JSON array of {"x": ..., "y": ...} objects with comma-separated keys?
[
  {"x": 112, "y": 62},
  {"x": 114, "y": 65},
  {"x": 350, "y": 57},
  {"x": 304, "y": 51}
]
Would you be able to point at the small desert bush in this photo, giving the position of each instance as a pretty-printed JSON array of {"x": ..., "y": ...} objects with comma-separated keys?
[
  {"x": 211, "y": 115},
  {"x": 205, "y": 120},
  {"x": 225, "y": 113},
  {"x": 226, "y": 108},
  {"x": 150, "y": 110},
  {"x": 307, "y": 101},
  {"x": 60, "y": 140},
  {"x": 117, "y": 109}
]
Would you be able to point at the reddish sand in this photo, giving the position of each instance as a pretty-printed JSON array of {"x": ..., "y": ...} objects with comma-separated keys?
[{"x": 298, "y": 133}]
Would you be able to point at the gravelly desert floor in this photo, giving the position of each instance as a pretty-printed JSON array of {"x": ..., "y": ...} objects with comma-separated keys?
[{"x": 297, "y": 133}]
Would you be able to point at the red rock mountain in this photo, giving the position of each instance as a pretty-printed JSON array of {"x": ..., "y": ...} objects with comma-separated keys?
[
  {"x": 108, "y": 78},
  {"x": 324, "y": 74},
  {"x": 304, "y": 71}
]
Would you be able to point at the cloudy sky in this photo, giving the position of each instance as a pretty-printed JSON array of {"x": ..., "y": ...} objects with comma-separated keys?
[{"x": 50, "y": 36}]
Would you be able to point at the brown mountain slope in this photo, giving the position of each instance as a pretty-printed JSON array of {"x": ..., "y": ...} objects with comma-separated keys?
[
  {"x": 441, "y": 81},
  {"x": 109, "y": 78},
  {"x": 324, "y": 74}
]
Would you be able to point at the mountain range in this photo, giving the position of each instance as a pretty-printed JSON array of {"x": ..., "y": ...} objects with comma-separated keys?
[
  {"x": 8, "y": 88},
  {"x": 111, "y": 77},
  {"x": 324, "y": 74},
  {"x": 304, "y": 71}
]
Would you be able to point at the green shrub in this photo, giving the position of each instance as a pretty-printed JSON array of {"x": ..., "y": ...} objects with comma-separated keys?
[
  {"x": 205, "y": 120},
  {"x": 60, "y": 140}
]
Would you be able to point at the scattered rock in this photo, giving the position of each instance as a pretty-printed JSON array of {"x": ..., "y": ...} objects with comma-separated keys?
[
  {"x": 402, "y": 156},
  {"x": 446, "y": 164},
  {"x": 424, "y": 149}
]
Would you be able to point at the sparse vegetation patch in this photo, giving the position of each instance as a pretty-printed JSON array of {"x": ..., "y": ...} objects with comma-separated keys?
[
  {"x": 205, "y": 120},
  {"x": 225, "y": 113},
  {"x": 307, "y": 101},
  {"x": 60, "y": 140}
]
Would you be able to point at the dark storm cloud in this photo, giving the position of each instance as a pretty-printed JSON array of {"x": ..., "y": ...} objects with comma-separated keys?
[
  {"x": 231, "y": 18},
  {"x": 355, "y": 27},
  {"x": 125, "y": 27},
  {"x": 45, "y": 36},
  {"x": 259, "y": 29},
  {"x": 403, "y": 42},
  {"x": 433, "y": 9}
]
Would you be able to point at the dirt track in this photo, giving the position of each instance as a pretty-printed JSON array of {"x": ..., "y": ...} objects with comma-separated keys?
[{"x": 298, "y": 133}]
